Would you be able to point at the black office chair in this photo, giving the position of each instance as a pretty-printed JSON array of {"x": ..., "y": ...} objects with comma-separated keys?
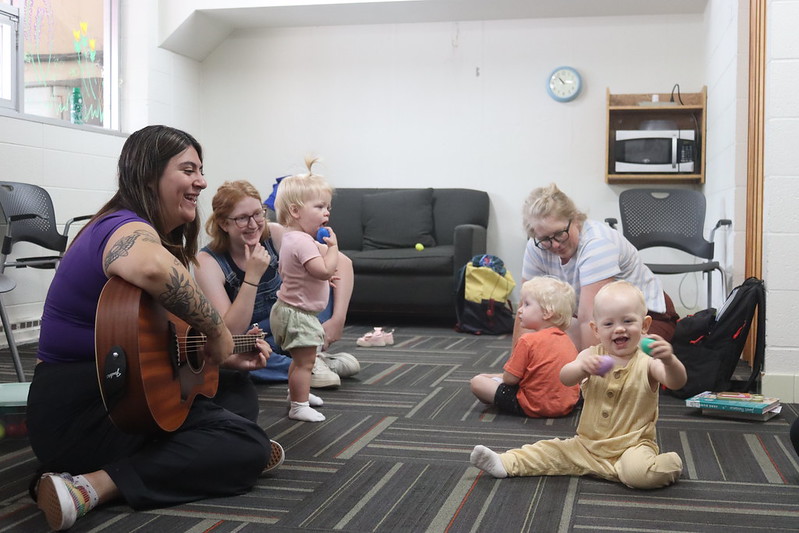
[
  {"x": 29, "y": 217},
  {"x": 672, "y": 218}
]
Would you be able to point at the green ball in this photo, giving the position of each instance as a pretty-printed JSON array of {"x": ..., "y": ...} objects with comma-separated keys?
[
  {"x": 2, "y": 430},
  {"x": 646, "y": 345},
  {"x": 419, "y": 246}
]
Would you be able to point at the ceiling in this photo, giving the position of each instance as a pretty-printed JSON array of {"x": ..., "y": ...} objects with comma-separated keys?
[{"x": 197, "y": 32}]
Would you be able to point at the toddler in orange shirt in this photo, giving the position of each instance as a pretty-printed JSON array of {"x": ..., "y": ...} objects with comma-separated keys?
[{"x": 530, "y": 385}]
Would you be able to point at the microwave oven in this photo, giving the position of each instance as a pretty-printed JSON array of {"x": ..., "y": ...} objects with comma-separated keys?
[{"x": 655, "y": 151}]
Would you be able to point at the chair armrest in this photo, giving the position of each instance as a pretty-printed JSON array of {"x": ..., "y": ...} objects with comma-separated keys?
[
  {"x": 75, "y": 219},
  {"x": 611, "y": 222},
  {"x": 469, "y": 240},
  {"x": 8, "y": 240},
  {"x": 723, "y": 222}
]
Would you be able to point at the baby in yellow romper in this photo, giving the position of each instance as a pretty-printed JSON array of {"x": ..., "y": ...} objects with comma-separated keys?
[{"x": 616, "y": 434}]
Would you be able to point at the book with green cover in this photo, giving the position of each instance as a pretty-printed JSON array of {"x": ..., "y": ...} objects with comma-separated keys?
[
  {"x": 737, "y": 415},
  {"x": 726, "y": 401}
]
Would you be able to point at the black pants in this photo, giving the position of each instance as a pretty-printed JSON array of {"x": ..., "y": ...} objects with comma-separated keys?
[{"x": 218, "y": 451}]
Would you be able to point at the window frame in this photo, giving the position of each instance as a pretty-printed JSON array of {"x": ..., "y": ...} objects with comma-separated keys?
[{"x": 10, "y": 16}]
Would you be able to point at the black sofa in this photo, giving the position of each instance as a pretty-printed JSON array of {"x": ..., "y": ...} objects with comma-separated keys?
[{"x": 379, "y": 229}]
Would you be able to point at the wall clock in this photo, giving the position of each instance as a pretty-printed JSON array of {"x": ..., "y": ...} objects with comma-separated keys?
[{"x": 564, "y": 84}]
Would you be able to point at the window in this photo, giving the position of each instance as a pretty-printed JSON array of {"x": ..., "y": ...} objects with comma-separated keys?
[
  {"x": 69, "y": 60},
  {"x": 10, "y": 56}
]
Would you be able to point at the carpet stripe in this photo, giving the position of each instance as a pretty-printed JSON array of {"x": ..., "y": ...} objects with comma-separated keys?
[
  {"x": 366, "y": 438},
  {"x": 687, "y": 456},
  {"x": 485, "y": 507},
  {"x": 729, "y": 508},
  {"x": 422, "y": 403},
  {"x": 456, "y": 498},
  {"x": 342, "y": 436},
  {"x": 446, "y": 375},
  {"x": 343, "y": 486},
  {"x": 378, "y": 378},
  {"x": 401, "y": 498},
  {"x": 789, "y": 455},
  {"x": 568, "y": 506},
  {"x": 230, "y": 514},
  {"x": 716, "y": 456},
  {"x": 362, "y": 502},
  {"x": 763, "y": 459}
]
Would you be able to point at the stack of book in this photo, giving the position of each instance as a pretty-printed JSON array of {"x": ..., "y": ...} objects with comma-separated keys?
[{"x": 739, "y": 405}]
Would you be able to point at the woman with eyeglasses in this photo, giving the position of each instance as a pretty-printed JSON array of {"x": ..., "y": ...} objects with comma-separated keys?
[
  {"x": 588, "y": 255},
  {"x": 238, "y": 272}
]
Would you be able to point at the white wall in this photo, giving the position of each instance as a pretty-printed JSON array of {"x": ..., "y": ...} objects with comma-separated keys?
[
  {"x": 439, "y": 104},
  {"x": 727, "y": 75},
  {"x": 158, "y": 86},
  {"x": 781, "y": 222}
]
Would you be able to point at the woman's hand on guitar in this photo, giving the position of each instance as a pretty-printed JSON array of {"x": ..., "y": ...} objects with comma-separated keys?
[
  {"x": 250, "y": 360},
  {"x": 254, "y": 359},
  {"x": 219, "y": 347}
]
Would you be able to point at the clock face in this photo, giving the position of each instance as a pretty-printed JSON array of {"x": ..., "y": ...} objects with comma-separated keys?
[{"x": 564, "y": 84}]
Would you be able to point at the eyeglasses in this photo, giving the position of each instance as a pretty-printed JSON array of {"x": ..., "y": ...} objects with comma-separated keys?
[
  {"x": 558, "y": 237},
  {"x": 244, "y": 220}
]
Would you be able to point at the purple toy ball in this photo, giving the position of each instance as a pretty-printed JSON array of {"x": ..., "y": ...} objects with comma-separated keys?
[
  {"x": 646, "y": 345},
  {"x": 322, "y": 233},
  {"x": 605, "y": 365}
]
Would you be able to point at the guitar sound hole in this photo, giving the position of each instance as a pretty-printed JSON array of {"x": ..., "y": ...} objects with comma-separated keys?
[{"x": 194, "y": 350}]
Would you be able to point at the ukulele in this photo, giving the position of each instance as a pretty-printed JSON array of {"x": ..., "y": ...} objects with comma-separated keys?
[{"x": 150, "y": 363}]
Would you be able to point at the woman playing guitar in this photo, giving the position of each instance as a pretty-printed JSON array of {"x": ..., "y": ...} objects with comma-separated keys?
[{"x": 145, "y": 237}]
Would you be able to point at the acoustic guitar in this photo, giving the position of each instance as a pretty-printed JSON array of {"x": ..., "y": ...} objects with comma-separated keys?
[{"x": 150, "y": 363}]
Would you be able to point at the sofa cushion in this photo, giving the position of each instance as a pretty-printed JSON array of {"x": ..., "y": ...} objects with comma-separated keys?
[
  {"x": 391, "y": 262},
  {"x": 398, "y": 219}
]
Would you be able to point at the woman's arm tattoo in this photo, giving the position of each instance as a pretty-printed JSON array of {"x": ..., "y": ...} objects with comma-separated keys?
[
  {"x": 121, "y": 247},
  {"x": 183, "y": 300}
]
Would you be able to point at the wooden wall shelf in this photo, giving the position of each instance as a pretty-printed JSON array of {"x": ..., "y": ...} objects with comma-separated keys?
[{"x": 629, "y": 111}]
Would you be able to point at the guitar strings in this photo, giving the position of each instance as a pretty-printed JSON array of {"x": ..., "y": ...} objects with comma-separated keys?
[{"x": 239, "y": 341}]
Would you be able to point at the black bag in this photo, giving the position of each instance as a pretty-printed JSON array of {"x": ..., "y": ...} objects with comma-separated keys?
[
  {"x": 482, "y": 302},
  {"x": 709, "y": 344}
]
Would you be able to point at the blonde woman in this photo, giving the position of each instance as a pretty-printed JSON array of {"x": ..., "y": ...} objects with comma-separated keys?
[{"x": 586, "y": 254}]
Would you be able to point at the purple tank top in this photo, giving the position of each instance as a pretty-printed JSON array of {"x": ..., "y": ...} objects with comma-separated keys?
[{"x": 67, "y": 333}]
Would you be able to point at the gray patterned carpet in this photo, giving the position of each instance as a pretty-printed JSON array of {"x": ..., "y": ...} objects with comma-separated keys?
[{"x": 393, "y": 455}]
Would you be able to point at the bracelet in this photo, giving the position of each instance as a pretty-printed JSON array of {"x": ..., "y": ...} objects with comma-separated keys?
[{"x": 248, "y": 283}]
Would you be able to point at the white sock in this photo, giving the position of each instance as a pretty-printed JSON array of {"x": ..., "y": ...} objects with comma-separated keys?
[
  {"x": 487, "y": 460},
  {"x": 313, "y": 399},
  {"x": 304, "y": 412}
]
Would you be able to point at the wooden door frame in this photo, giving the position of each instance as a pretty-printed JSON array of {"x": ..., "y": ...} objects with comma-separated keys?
[{"x": 755, "y": 152}]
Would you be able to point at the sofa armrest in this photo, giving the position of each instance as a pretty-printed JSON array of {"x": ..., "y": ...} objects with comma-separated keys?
[{"x": 469, "y": 240}]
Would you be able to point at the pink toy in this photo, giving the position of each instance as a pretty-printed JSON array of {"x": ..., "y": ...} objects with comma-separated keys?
[
  {"x": 646, "y": 345},
  {"x": 605, "y": 365},
  {"x": 322, "y": 233}
]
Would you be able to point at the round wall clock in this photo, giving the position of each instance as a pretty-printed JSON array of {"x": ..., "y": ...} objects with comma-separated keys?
[{"x": 564, "y": 84}]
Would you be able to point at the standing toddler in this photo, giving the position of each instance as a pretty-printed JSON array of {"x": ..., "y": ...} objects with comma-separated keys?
[
  {"x": 530, "y": 385},
  {"x": 302, "y": 205},
  {"x": 616, "y": 438}
]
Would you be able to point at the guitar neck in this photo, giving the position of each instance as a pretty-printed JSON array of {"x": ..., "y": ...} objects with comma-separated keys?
[
  {"x": 245, "y": 343},
  {"x": 241, "y": 343}
]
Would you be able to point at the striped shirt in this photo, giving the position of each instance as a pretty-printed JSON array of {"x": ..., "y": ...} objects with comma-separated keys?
[{"x": 603, "y": 253}]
